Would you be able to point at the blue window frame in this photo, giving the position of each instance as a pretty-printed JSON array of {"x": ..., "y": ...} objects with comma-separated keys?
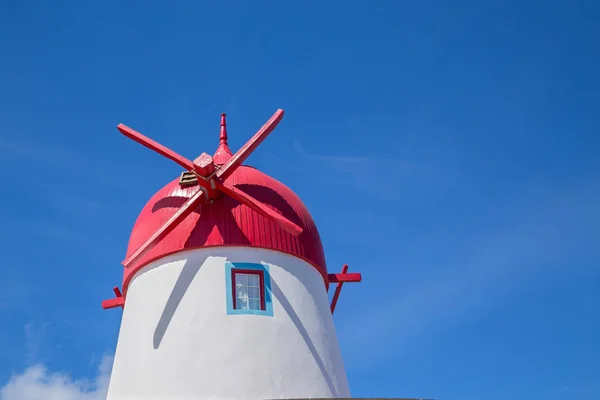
[{"x": 248, "y": 289}]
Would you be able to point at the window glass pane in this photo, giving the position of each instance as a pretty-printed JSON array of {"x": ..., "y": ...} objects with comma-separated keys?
[
  {"x": 247, "y": 291},
  {"x": 241, "y": 279},
  {"x": 241, "y": 291},
  {"x": 241, "y": 304},
  {"x": 254, "y": 304},
  {"x": 253, "y": 280},
  {"x": 254, "y": 293}
]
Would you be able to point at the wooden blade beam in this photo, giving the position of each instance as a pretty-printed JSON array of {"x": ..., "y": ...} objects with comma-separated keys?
[
  {"x": 113, "y": 303},
  {"x": 157, "y": 147},
  {"x": 242, "y": 154},
  {"x": 344, "y": 277},
  {"x": 260, "y": 208},
  {"x": 340, "y": 279},
  {"x": 118, "y": 301},
  {"x": 181, "y": 214}
]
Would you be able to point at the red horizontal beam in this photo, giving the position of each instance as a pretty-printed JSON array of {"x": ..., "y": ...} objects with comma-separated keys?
[
  {"x": 112, "y": 303},
  {"x": 343, "y": 277},
  {"x": 242, "y": 154},
  {"x": 157, "y": 147},
  {"x": 118, "y": 301}
]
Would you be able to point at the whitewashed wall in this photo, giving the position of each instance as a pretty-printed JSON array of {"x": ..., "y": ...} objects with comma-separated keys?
[{"x": 177, "y": 341}]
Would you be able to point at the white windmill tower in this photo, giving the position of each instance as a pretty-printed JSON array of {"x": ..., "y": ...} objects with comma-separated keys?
[{"x": 225, "y": 288}]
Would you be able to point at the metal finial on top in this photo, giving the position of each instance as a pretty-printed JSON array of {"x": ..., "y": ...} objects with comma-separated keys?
[{"x": 223, "y": 137}]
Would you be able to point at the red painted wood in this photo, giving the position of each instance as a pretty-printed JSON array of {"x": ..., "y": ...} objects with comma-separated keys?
[
  {"x": 223, "y": 153},
  {"x": 119, "y": 301},
  {"x": 263, "y": 300},
  {"x": 338, "y": 289},
  {"x": 242, "y": 154},
  {"x": 223, "y": 134},
  {"x": 112, "y": 303},
  {"x": 182, "y": 213},
  {"x": 344, "y": 277},
  {"x": 260, "y": 208},
  {"x": 204, "y": 165},
  {"x": 117, "y": 291},
  {"x": 226, "y": 222},
  {"x": 157, "y": 147}
]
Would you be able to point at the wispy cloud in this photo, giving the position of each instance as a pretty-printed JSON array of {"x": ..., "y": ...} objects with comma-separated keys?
[
  {"x": 39, "y": 383},
  {"x": 377, "y": 177},
  {"x": 493, "y": 266}
]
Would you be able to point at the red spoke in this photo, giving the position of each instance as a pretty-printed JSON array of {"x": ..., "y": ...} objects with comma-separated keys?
[
  {"x": 260, "y": 208},
  {"x": 242, "y": 154},
  {"x": 157, "y": 147}
]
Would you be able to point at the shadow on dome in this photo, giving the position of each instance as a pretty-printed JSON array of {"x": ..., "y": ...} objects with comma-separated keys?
[
  {"x": 269, "y": 196},
  {"x": 261, "y": 193},
  {"x": 171, "y": 202},
  {"x": 221, "y": 217}
]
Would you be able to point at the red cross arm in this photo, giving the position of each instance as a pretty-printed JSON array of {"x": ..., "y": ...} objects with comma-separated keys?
[
  {"x": 118, "y": 301},
  {"x": 344, "y": 277},
  {"x": 340, "y": 279},
  {"x": 242, "y": 154},
  {"x": 112, "y": 303},
  {"x": 157, "y": 147},
  {"x": 260, "y": 208}
]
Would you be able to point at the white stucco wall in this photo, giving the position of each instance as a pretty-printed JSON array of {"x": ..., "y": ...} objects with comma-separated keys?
[{"x": 177, "y": 341}]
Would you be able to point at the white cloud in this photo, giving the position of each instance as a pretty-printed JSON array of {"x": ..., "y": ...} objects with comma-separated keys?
[
  {"x": 38, "y": 383},
  {"x": 376, "y": 175}
]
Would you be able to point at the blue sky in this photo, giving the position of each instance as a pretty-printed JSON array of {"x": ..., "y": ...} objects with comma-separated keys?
[{"x": 447, "y": 150}]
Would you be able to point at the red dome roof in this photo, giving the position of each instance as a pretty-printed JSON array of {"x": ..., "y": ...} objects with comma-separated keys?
[{"x": 226, "y": 222}]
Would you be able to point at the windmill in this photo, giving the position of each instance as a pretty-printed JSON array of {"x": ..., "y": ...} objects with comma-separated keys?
[{"x": 225, "y": 285}]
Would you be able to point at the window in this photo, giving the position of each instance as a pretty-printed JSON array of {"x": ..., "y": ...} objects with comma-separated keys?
[{"x": 248, "y": 289}]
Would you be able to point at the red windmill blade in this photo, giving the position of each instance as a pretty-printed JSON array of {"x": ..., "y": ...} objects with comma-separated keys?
[
  {"x": 157, "y": 147},
  {"x": 211, "y": 180},
  {"x": 242, "y": 154}
]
